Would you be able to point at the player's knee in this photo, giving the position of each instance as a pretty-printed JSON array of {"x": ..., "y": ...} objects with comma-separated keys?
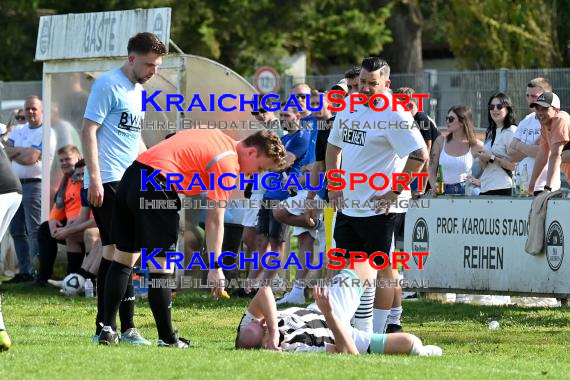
[{"x": 90, "y": 235}]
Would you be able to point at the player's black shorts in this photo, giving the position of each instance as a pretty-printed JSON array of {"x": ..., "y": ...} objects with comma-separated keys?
[
  {"x": 104, "y": 215},
  {"x": 365, "y": 234},
  {"x": 269, "y": 226},
  {"x": 140, "y": 221}
]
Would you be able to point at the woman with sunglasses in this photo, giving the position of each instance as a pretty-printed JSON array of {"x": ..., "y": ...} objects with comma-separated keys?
[
  {"x": 16, "y": 118},
  {"x": 497, "y": 167},
  {"x": 455, "y": 152}
]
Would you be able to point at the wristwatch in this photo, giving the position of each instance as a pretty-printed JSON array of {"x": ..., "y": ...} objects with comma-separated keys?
[
  {"x": 548, "y": 188},
  {"x": 492, "y": 158}
]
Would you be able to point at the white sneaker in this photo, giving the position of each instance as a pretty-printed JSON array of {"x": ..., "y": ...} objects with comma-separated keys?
[
  {"x": 280, "y": 287},
  {"x": 55, "y": 283},
  {"x": 292, "y": 299},
  {"x": 431, "y": 351}
]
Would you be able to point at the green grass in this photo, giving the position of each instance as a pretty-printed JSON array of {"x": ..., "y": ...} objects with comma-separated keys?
[{"x": 51, "y": 337}]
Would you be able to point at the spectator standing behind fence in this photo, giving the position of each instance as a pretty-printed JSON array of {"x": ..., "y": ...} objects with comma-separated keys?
[
  {"x": 428, "y": 129},
  {"x": 524, "y": 147},
  {"x": 455, "y": 152},
  {"x": 24, "y": 147},
  {"x": 555, "y": 133},
  {"x": 497, "y": 177}
]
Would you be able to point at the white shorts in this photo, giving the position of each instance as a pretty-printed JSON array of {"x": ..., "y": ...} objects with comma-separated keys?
[
  {"x": 250, "y": 214},
  {"x": 345, "y": 301},
  {"x": 299, "y": 198},
  {"x": 9, "y": 204}
]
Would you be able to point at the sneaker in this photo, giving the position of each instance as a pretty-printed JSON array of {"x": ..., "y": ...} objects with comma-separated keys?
[
  {"x": 280, "y": 285},
  {"x": 19, "y": 278},
  {"x": 431, "y": 351},
  {"x": 180, "y": 343},
  {"x": 108, "y": 336},
  {"x": 314, "y": 231},
  {"x": 133, "y": 336},
  {"x": 5, "y": 342},
  {"x": 393, "y": 328},
  {"x": 292, "y": 299},
  {"x": 55, "y": 283}
]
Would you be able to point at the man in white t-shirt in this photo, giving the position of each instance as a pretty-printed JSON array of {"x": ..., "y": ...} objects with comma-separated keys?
[
  {"x": 24, "y": 148},
  {"x": 524, "y": 146},
  {"x": 393, "y": 146}
]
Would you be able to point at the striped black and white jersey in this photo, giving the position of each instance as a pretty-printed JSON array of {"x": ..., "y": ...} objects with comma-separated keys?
[{"x": 300, "y": 329}]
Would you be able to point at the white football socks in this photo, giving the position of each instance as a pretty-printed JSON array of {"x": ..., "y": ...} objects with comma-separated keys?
[{"x": 379, "y": 322}]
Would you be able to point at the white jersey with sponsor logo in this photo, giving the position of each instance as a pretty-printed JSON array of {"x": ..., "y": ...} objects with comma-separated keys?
[{"x": 374, "y": 142}]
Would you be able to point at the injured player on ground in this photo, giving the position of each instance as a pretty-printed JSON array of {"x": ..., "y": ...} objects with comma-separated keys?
[{"x": 322, "y": 326}]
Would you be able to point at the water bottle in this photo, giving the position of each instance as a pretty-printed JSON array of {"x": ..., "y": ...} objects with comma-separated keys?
[
  {"x": 440, "y": 185},
  {"x": 517, "y": 180},
  {"x": 524, "y": 181},
  {"x": 89, "y": 289}
]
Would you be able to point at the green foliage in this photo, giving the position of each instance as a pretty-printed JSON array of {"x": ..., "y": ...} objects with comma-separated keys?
[
  {"x": 246, "y": 34},
  {"x": 242, "y": 34},
  {"x": 497, "y": 33},
  {"x": 20, "y": 22}
]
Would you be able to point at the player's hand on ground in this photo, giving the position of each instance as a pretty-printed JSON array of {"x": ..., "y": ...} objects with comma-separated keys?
[
  {"x": 271, "y": 341},
  {"x": 324, "y": 302},
  {"x": 95, "y": 194},
  {"x": 216, "y": 275}
]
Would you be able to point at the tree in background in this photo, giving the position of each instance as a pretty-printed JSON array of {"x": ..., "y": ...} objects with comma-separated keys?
[
  {"x": 246, "y": 34},
  {"x": 496, "y": 33}
]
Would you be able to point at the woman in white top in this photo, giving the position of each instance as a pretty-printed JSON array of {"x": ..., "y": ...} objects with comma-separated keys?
[
  {"x": 497, "y": 168},
  {"x": 455, "y": 152}
]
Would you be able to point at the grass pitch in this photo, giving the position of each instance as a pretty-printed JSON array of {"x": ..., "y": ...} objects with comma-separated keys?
[{"x": 51, "y": 337}]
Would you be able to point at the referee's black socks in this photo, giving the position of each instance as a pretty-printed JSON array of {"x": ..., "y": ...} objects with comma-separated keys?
[
  {"x": 116, "y": 284},
  {"x": 101, "y": 277},
  {"x": 160, "y": 301}
]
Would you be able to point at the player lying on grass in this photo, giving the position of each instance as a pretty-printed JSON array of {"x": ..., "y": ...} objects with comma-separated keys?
[{"x": 319, "y": 327}]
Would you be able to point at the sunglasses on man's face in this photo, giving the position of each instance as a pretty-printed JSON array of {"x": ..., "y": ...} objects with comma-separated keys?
[
  {"x": 20, "y": 118},
  {"x": 300, "y": 96},
  {"x": 497, "y": 106},
  {"x": 256, "y": 113}
]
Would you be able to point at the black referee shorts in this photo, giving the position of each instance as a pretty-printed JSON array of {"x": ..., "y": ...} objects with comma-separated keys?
[
  {"x": 139, "y": 221},
  {"x": 365, "y": 234},
  {"x": 104, "y": 215}
]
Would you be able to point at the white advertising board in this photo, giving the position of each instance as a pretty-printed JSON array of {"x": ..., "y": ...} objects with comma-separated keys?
[{"x": 477, "y": 245}]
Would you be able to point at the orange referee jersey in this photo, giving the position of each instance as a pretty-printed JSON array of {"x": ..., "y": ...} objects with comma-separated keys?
[{"x": 196, "y": 151}]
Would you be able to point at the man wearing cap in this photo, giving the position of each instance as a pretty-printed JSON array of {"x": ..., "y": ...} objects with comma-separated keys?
[{"x": 555, "y": 133}]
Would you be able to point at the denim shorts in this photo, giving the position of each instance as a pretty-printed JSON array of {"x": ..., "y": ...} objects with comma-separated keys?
[{"x": 455, "y": 189}]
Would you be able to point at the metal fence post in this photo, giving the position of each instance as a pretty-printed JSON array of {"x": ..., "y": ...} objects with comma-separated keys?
[
  {"x": 503, "y": 80},
  {"x": 429, "y": 86}
]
